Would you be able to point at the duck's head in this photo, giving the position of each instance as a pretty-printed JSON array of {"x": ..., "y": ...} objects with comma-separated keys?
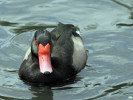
[{"x": 40, "y": 48}]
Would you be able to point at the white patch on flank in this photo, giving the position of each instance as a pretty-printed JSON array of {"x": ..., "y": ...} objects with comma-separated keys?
[
  {"x": 79, "y": 54},
  {"x": 78, "y": 32},
  {"x": 27, "y": 53}
]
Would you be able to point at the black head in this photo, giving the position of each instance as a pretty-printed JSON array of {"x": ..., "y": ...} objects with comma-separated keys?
[
  {"x": 40, "y": 37},
  {"x": 41, "y": 49}
]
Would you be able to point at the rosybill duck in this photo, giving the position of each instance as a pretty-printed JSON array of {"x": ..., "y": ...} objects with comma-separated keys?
[{"x": 54, "y": 56}]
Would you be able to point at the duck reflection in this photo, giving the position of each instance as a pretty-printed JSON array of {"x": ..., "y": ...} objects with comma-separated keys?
[{"x": 42, "y": 93}]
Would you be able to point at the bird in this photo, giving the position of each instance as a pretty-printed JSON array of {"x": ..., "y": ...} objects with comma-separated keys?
[{"x": 54, "y": 56}]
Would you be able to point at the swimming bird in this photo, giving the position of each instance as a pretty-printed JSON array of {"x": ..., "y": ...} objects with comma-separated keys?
[{"x": 54, "y": 56}]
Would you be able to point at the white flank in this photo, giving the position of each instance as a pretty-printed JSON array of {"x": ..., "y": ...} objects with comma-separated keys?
[
  {"x": 27, "y": 54},
  {"x": 79, "y": 54}
]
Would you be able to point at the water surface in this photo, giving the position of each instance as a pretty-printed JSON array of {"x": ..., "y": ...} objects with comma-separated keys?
[{"x": 107, "y": 30}]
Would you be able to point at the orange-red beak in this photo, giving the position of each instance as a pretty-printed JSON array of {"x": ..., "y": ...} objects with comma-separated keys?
[{"x": 44, "y": 58}]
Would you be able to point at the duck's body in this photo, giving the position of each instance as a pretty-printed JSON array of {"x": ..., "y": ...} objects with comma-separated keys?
[{"x": 62, "y": 59}]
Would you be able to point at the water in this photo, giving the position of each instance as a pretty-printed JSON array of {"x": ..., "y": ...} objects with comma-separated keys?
[{"x": 107, "y": 31}]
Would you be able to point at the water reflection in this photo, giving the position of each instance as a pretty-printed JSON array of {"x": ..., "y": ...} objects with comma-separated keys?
[
  {"x": 122, "y": 4},
  {"x": 32, "y": 26},
  {"x": 112, "y": 90},
  {"x": 91, "y": 27},
  {"x": 13, "y": 94},
  {"x": 25, "y": 28},
  {"x": 7, "y": 23},
  {"x": 123, "y": 24},
  {"x": 130, "y": 8}
]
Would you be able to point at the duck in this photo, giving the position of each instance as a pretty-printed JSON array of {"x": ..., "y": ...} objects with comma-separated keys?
[{"x": 54, "y": 56}]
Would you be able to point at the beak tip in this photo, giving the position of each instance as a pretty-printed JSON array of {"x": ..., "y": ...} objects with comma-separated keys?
[{"x": 47, "y": 73}]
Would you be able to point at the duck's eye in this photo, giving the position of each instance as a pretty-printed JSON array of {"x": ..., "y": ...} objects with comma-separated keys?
[
  {"x": 36, "y": 42},
  {"x": 50, "y": 42}
]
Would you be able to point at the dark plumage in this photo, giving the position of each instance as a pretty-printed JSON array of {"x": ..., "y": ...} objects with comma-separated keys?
[{"x": 62, "y": 50}]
